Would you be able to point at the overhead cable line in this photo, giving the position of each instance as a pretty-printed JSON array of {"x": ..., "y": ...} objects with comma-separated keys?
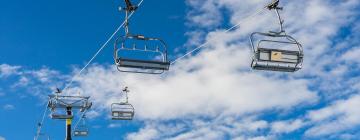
[
  {"x": 40, "y": 124},
  {"x": 97, "y": 53},
  {"x": 226, "y": 31}
]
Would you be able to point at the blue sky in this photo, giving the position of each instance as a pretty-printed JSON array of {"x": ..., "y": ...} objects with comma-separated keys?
[{"x": 211, "y": 95}]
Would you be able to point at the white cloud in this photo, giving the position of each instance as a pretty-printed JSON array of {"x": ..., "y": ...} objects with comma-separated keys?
[
  {"x": 44, "y": 74},
  {"x": 92, "y": 114},
  {"x": 219, "y": 128},
  {"x": 237, "y": 93},
  {"x": 204, "y": 133},
  {"x": 114, "y": 125},
  {"x": 39, "y": 82},
  {"x": 22, "y": 82},
  {"x": 336, "y": 118},
  {"x": 286, "y": 126},
  {"x": 2, "y": 138},
  {"x": 144, "y": 133},
  {"x": 196, "y": 14},
  {"x": 7, "y": 70},
  {"x": 8, "y": 107},
  {"x": 262, "y": 138},
  {"x": 352, "y": 55}
]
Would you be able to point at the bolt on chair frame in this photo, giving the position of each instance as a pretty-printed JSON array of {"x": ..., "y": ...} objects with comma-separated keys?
[{"x": 276, "y": 59}]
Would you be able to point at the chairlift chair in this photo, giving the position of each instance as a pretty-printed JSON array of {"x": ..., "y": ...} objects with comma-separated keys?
[
  {"x": 130, "y": 44},
  {"x": 122, "y": 111},
  {"x": 59, "y": 104},
  {"x": 81, "y": 130},
  {"x": 139, "y": 54},
  {"x": 275, "y": 59}
]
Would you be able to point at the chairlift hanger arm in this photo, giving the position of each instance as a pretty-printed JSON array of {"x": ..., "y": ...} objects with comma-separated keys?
[
  {"x": 129, "y": 6},
  {"x": 274, "y": 5}
]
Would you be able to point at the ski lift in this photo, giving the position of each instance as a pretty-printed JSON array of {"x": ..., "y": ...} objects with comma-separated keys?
[
  {"x": 81, "y": 130},
  {"x": 139, "y": 54},
  {"x": 269, "y": 52},
  {"x": 60, "y": 106},
  {"x": 122, "y": 111}
]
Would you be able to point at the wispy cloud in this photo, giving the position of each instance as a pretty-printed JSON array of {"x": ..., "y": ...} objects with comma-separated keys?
[
  {"x": 286, "y": 126},
  {"x": 8, "y": 70},
  {"x": 8, "y": 107},
  {"x": 334, "y": 119},
  {"x": 114, "y": 125}
]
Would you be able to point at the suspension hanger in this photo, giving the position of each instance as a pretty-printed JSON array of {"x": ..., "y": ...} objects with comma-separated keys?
[{"x": 138, "y": 53}]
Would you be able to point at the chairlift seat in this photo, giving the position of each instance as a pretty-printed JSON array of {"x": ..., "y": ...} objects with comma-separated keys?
[
  {"x": 143, "y": 64},
  {"x": 277, "y": 60},
  {"x": 122, "y": 111}
]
